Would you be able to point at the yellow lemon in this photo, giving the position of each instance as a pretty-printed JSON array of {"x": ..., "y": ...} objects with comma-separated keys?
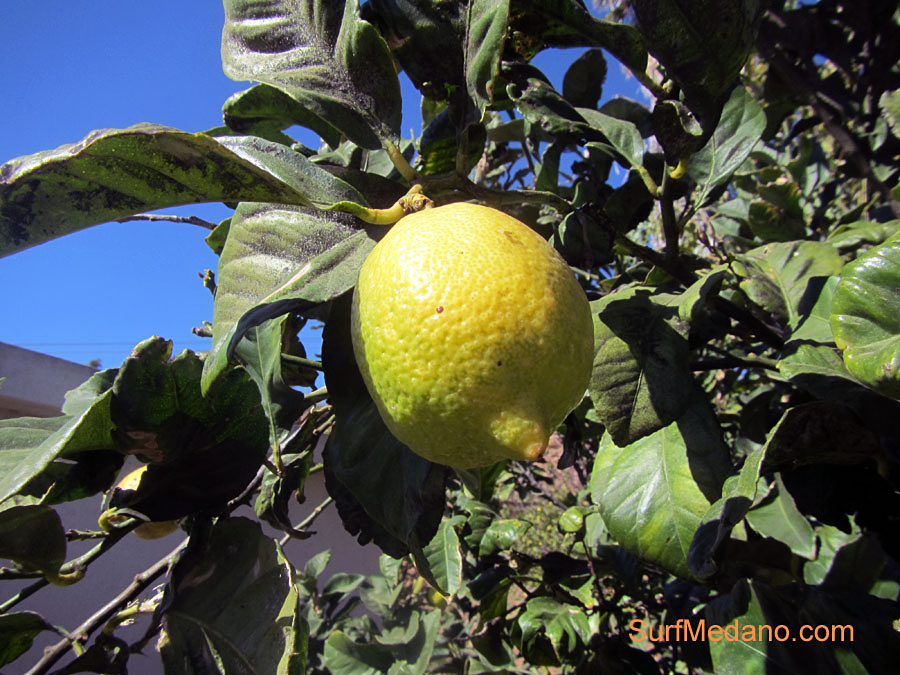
[
  {"x": 472, "y": 335},
  {"x": 149, "y": 530}
]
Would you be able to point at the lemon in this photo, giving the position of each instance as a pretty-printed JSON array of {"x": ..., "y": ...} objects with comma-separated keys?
[
  {"x": 149, "y": 530},
  {"x": 472, "y": 335}
]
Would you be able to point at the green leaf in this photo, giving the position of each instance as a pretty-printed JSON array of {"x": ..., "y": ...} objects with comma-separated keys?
[
  {"x": 485, "y": 33},
  {"x": 653, "y": 493},
  {"x": 33, "y": 536},
  {"x": 779, "y": 519},
  {"x": 541, "y": 105},
  {"x": 264, "y": 107},
  {"x": 865, "y": 317},
  {"x": 29, "y": 445},
  {"x": 343, "y": 656},
  {"x": 17, "y": 633},
  {"x": 583, "y": 81},
  {"x": 538, "y": 24},
  {"x": 439, "y": 145},
  {"x": 384, "y": 492},
  {"x": 622, "y": 135},
  {"x": 279, "y": 258},
  {"x": 113, "y": 173},
  {"x": 744, "y": 616},
  {"x": 853, "y": 235},
  {"x": 739, "y": 129},
  {"x": 231, "y": 606},
  {"x": 566, "y": 626},
  {"x": 702, "y": 45},
  {"x": 738, "y": 495},
  {"x": 502, "y": 535},
  {"x": 324, "y": 56},
  {"x": 781, "y": 277},
  {"x": 260, "y": 355},
  {"x": 889, "y": 105},
  {"x": 445, "y": 558}
]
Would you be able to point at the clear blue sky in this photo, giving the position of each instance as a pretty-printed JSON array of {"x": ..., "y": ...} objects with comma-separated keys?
[{"x": 71, "y": 67}]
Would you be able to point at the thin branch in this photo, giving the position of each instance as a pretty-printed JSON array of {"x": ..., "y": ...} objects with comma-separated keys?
[
  {"x": 26, "y": 592},
  {"x": 300, "y": 361},
  {"x": 734, "y": 361},
  {"x": 309, "y": 520},
  {"x": 670, "y": 224},
  {"x": 672, "y": 266},
  {"x": 102, "y": 615},
  {"x": 159, "y": 217}
]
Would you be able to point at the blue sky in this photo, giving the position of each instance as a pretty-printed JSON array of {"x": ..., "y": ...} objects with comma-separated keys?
[{"x": 71, "y": 67}]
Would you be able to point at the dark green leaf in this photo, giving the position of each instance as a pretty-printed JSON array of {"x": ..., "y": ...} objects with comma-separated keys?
[
  {"x": 819, "y": 432},
  {"x": 264, "y": 107},
  {"x": 114, "y": 173},
  {"x": 202, "y": 450},
  {"x": 866, "y": 318},
  {"x": 384, "y": 492},
  {"x": 653, "y": 493},
  {"x": 231, "y": 606},
  {"x": 485, "y": 33},
  {"x": 537, "y": 24},
  {"x": 17, "y": 633},
  {"x": 33, "y": 537},
  {"x": 738, "y": 494},
  {"x": 439, "y": 143},
  {"x": 744, "y": 616},
  {"x": 739, "y": 129},
  {"x": 640, "y": 380},
  {"x": 583, "y": 82},
  {"x": 702, "y": 45},
  {"x": 323, "y": 55}
]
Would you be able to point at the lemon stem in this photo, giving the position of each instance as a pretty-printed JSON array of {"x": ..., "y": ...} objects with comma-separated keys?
[
  {"x": 411, "y": 202},
  {"x": 400, "y": 163},
  {"x": 300, "y": 361},
  {"x": 318, "y": 395}
]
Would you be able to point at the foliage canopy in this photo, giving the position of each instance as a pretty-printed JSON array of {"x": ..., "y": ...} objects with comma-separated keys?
[{"x": 734, "y": 461}]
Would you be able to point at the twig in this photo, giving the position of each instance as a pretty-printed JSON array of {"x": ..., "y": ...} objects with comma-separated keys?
[
  {"x": 306, "y": 522},
  {"x": 159, "y": 217},
  {"x": 734, "y": 361},
  {"x": 669, "y": 223},
  {"x": 672, "y": 266},
  {"x": 300, "y": 361},
  {"x": 102, "y": 615},
  {"x": 26, "y": 592}
]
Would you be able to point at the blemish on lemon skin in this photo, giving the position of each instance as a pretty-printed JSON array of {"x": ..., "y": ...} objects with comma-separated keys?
[{"x": 439, "y": 309}]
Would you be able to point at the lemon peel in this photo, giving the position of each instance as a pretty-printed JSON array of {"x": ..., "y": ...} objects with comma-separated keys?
[{"x": 472, "y": 335}]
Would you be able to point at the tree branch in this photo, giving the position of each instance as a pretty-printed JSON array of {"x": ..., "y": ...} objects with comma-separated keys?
[
  {"x": 808, "y": 91},
  {"x": 102, "y": 615},
  {"x": 159, "y": 217}
]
